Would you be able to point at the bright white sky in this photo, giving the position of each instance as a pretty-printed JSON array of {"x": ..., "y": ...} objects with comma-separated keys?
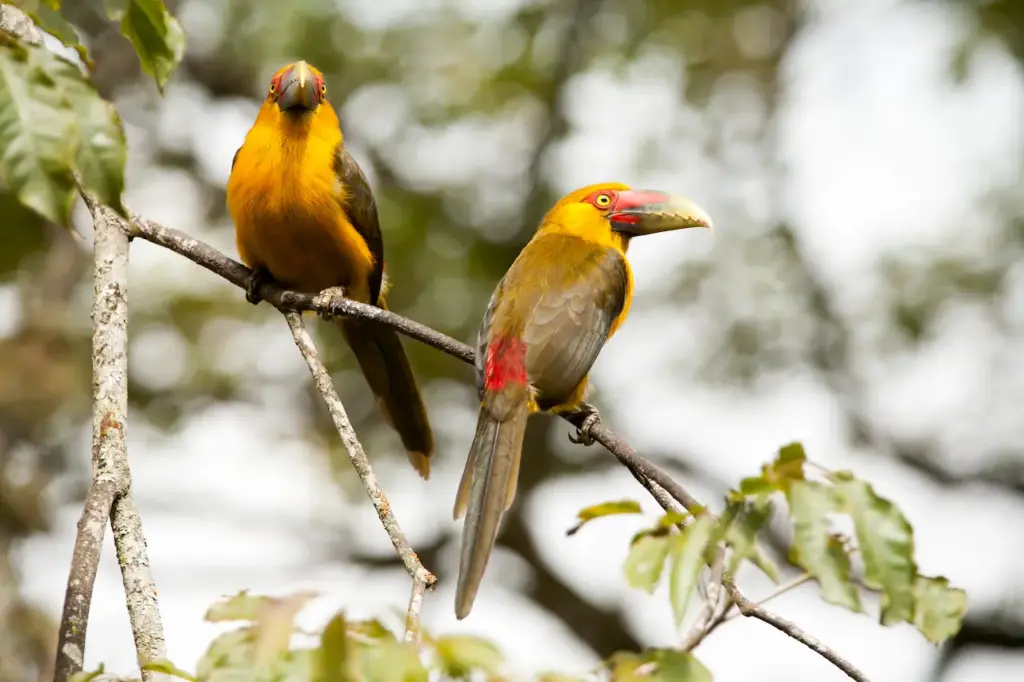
[{"x": 882, "y": 154}]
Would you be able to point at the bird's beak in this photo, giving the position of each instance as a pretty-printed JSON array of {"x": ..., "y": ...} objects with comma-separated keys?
[
  {"x": 298, "y": 89},
  {"x": 638, "y": 212}
]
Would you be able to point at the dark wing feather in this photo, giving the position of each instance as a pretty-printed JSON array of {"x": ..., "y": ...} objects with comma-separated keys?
[
  {"x": 570, "y": 321},
  {"x": 235, "y": 158},
  {"x": 361, "y": 209}
]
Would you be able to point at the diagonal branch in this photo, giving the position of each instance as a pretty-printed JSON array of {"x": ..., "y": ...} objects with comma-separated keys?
[
  {"x": 109, "y": 495},
  {"x": 421, "y": 577},
  {"x": 668, "y": 492}
]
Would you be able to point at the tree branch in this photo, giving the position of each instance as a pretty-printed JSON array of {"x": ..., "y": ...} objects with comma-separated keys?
[
  {"x": 749, "y": 608},
  {"x": 668, "y": 493},
  {"x": 421, "y": 577},
  {"x": 109, "y": 494}
]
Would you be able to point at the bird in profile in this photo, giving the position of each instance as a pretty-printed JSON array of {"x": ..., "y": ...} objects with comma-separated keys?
[
  {"x": 305, "y": 217},
  {"x": 565, "y": 295}
]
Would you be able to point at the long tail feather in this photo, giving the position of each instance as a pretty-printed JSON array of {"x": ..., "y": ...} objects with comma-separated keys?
[
  {"x": 486, "y": 492},
  {"x": 381, "y": 357}
]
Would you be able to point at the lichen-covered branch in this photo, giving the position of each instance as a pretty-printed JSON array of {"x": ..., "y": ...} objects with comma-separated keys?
[
  {"x": 666, "y": 490},
  {"x": 422, "y": 578},
  {"x": 109, "y": 495}
]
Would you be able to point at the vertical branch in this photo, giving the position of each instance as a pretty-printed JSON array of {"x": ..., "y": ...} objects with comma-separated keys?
[
  {"x": 109, "y": 494},
  {"x": 421, "y": 577}
]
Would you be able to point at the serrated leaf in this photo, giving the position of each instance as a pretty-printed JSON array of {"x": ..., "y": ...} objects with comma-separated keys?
[
  {"x": 886, "y": 543},
  {"x": 461, "y": 654},
  {"x": 645, "y": 561},
  {"x": 332, "y": 654},
  {"x": 155, "y": 34},
  {"x": 687, "y": 552},
  {"x": 939, "y": 608},
  {"x": 164, "y": 666},
  {"x": 596, "y": 511},
  {"x": 741, "y": 536},
  {"x": 392, "y": 662},
  {"x": 657, "y": 665},
  {"x": 100, "y": 148},
  {"x": 36, "y": 135},
  {"x": 809, "y": 505}
]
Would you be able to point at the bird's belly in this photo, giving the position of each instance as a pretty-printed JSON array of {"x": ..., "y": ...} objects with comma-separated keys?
[{"x": 306, "y": 252}]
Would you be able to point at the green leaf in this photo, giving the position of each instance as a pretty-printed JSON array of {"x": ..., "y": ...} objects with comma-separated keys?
[
  {"x": 645, "y": 561},
  {"x": 229, "y": 651},
  {"x": 788, "y": 465},
  {"x": 21, "y": 233},
  {"x": 155, "y": 34},
  {"x": 757, "y": 485},
  {"x": 291, "y": 666},
  {"x": 164, "y": 666},
  {"x": 392, "y": 662},
  {"x": 461, "y": 654},
  {"x": 939, "y": 608},
  {"x": 275, "y": 622},
  {"x": 741, "y": 536},
  {"x": 809, "y": 505},
  {"x": 657, "y": 665},
  {"x": 372, "y": 629},
  {"x": 588, "y": 514},
  {"x": 672, "y": 519},
  {"x": 242, "y": 606},
  {"x": 47, "y": 16},
  {"x": 886, "y": 543},
  {"x": 100, "y": 151},
  {"x": 36, "y": 134},
  {"x": 687, "y": 549},
  {"x": 332, "y": 655}
]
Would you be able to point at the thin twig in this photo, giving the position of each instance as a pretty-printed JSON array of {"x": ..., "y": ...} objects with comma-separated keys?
[
  {"x": 422, "y": 578},
  {"x": 706, "y": 618},
  {"x": 749, "y": 608},
  {"x": 109, "y": 495},
  {"x": 412, "y": 614},
  {"x": 668, "y": 492},
  {"x": 783, "y": 589}
]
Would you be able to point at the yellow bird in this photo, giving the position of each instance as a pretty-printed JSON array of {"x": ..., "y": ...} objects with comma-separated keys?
[
  {"x": 305, "y": 216},
  {"x": 563, "y": 298}
]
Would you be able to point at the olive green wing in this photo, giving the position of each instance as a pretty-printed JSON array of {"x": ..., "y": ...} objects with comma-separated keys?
[{"x": 361, "y": 209}]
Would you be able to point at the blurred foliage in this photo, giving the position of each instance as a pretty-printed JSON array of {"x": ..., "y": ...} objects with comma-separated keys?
[
  {"x": 428, "y": 76},
  {"x": 368, "y": 651}
]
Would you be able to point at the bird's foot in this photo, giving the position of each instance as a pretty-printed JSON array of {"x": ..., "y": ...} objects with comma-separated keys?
[
  {"x": 257, "y": 278},
  {"x": 592, "y": 418},
  {"x": 325, "y": 301}
]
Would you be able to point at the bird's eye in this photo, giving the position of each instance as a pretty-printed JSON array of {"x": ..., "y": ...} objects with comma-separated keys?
[
  {"x": 603, "y": 200},
  {"x": 323, "y": 88},
  {"x": 273, "y": 88}
]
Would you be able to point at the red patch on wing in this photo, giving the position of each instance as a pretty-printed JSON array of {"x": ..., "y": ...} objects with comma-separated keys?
[{"x": 506, "y": 364}]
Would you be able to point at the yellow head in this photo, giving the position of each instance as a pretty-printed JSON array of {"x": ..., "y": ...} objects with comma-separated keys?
[
  {"x": 611, "y": 212},
  {"x": 298, "y": 96}
]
